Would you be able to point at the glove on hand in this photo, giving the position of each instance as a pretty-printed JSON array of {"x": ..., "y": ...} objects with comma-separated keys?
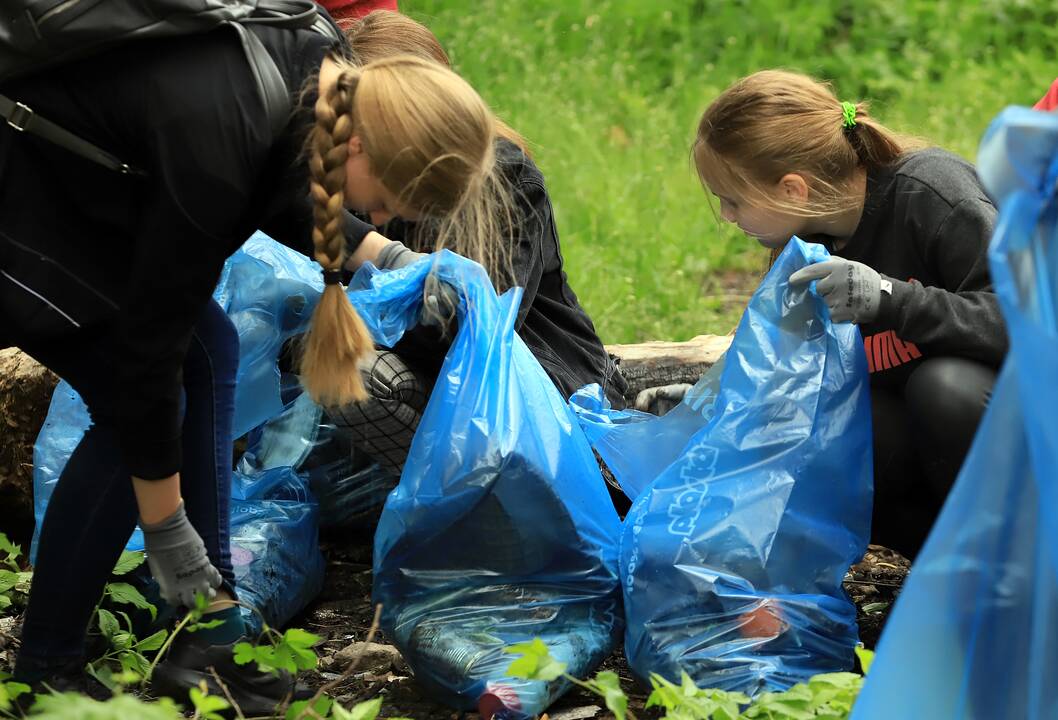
[
  {"x": 659, "y": 400},
  {"x": 440, "y": 299},
  {"x": 177, "y": 558},
  {"x": 850, "y": 289}
]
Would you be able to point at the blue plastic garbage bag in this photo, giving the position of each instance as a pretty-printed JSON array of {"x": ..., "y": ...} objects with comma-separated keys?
[
  {"x": 349, "y": 487},
  {"x": 972, "y": 632},
  {"x": 63, "y": 428},
  {"x": 501, "y": 528},
  {"x": 269, "y": 292},
  {"x": 752, "y": 499}
]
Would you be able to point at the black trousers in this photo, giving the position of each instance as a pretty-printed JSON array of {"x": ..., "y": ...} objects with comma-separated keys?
[{"x": 921, "y": 436}]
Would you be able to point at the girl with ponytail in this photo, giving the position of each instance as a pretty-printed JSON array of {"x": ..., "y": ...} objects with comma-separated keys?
[
  {"x": 908, "y": 228},
  {"x": 418, "y": 151}
]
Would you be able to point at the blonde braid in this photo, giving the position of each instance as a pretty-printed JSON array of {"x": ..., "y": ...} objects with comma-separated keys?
[{"x": 337, "y": 338}]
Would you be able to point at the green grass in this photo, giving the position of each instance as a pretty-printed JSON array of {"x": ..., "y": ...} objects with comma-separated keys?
[{"x": 609, "y": 93}]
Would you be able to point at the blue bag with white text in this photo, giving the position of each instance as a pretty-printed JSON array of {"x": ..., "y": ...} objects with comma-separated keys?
[
  {"x": 752, "y": 499},
  {"x": 973, "y": 630},
  {"x": 501, "y": 529}
]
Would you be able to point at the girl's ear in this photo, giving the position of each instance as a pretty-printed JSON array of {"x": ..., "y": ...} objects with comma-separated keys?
[
  {"x": 355, "y": 146},
  {"x": 794, "y": 187}
]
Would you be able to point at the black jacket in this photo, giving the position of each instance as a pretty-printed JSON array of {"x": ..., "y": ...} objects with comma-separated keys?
[
  {"x": 926, "y": 226},
  {"x": 133, "y": 260},
  {"x": 551, "y": 321}
]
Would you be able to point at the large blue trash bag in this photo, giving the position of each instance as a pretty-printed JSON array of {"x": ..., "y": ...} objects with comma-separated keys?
[
  {"x": 269, "y": 292},
  {"x": 973, "y": 630},
  {"x": 734, "y": 551},
  {"x": 501, "y": 528},
  {"x": 349, "y": 487}
]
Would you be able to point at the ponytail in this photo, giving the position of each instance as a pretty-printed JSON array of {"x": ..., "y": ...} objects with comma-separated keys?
[{"x": 337, "y": 338}]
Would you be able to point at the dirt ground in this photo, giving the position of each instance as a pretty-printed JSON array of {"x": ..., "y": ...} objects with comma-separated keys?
[{"x": 342, "y": 614}]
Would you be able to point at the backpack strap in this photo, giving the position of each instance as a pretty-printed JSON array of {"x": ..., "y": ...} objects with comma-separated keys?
[
  {"x": 22, "y": 118},
  {"x": 271, "y": 86}
]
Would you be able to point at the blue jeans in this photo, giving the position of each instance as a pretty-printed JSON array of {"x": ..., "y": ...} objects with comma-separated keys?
[{"x": 93, "y": 509}]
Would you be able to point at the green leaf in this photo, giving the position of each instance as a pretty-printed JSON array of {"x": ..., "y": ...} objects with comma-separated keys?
[
  {"x": 208, "y": 705},
  {"x": 122, "y": 640},
  {"x": 152, "y": 642},
  {"x": 874, "y": 607},
  {"x": 322, "y": 707},
  {"x": 866, "y": 658},
  {"x": 64, "y": 706},
  {"x": 610, "y": 686},
  {"x": 244, "y": 653},
  {"x": 12, "y": 550},
  {"x": 128, "y": 562},
  {"x": 195, "y": 627},
  {"x": 134, "y": 663},
  {"x": 10, "y": 691},
  {"x": 5, "y": 602},
  {"x": 108, "y": 624},
  {"x": 367, "y": 710},
  {"x": 8, "y": 579},
  {"x": 296, "y": 637},
  {"x": 125, "y": 593},
  {"x": 536, "y": 662}
]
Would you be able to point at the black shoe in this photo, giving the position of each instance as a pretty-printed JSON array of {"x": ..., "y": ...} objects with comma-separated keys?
[{"x": 255, "y": 692}]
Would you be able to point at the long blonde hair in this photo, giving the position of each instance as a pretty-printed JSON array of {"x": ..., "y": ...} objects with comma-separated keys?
[
  {"x": 775, "y": 122},
  {"x": 430, "y": 140},
  {"x": 383, "y": 33}
]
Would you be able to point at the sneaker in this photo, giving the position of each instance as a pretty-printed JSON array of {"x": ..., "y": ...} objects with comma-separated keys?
[{"x": 255, "y": 692}]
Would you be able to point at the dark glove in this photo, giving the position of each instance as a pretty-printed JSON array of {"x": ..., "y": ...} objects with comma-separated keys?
[
  {"x": 177, "y": 558},
  {"x": 659, "y": 400},
  {"x": 440, "y": 299},
  {"x": 850, "y": 289}
]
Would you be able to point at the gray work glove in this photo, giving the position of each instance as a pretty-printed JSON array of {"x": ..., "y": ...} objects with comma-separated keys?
[
  {"x": 440, "y": 299},
  {"x": 659, "y": 400},
  {"x": 177, "y": 558},
  {"x": 850, "y": 289}
]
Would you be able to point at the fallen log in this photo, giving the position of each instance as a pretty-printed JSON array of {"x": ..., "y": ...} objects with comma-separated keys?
[
  {"x": 25, "y": 392},
  {"x": 664, "y": 363}
]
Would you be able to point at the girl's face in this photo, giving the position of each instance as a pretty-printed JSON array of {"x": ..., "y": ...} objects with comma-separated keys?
[
  {"x": 365, "y": 193},
  {"x": 771, "y": 228}
]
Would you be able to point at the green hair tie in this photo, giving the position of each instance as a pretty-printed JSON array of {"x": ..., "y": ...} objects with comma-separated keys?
[{"x": 848, "y": 111}]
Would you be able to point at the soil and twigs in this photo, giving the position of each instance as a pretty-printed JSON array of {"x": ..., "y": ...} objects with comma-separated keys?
[{"x": 343, "y": 615}]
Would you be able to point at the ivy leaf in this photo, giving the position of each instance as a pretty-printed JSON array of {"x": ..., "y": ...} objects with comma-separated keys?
[
  {"x": 152, "y": 642},
  {"x": 536, "y": 662},
  {"x": 108, "y": 624},
  {"x": 300, "y": 638},
  {"x": 244, "y": 653},
  {"x": 122, "y": 640},
  {"x": 208, "y": 706},
  {"x": 609, "y": 686},
  {"x": 128, "y": 562},
  {"x": 125, "y": 593}
]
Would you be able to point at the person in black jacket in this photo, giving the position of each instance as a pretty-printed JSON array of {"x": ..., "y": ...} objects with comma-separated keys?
[
  {"x": 550, "y": 320},
  {"x": 107, "y": 278},
  {"x": 908, "y": 228}
]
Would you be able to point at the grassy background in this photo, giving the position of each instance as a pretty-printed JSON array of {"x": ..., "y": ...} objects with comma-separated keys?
[{"x": 609, "y": 93}]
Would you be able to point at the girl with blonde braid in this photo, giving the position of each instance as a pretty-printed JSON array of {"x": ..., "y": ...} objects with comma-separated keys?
[
  {"x": 504, "y": 221},
  {"x": 106, "y": 278}
]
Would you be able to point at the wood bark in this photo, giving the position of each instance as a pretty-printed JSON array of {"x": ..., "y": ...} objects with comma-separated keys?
[{"x": 665, "y": 363}]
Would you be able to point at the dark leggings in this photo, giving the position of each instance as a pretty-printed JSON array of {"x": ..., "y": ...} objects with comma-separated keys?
[
  {"x": 93, "y": 509},
  {"x": 921, "y": 437}
]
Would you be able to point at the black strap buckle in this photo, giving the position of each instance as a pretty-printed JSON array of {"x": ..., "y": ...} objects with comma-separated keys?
[{"x": 20, "y": 117}]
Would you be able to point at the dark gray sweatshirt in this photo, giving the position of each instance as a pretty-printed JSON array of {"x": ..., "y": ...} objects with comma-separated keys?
[{"x": 926, "y": 226}]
